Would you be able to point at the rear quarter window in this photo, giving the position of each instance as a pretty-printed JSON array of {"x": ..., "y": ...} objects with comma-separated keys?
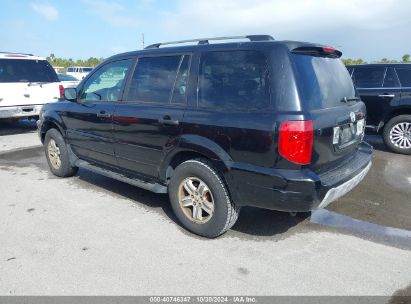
[
  {"x": 23, "y": 70},
  {"x": 234, "y": 80},
  {"x": 405, "y": 76}
]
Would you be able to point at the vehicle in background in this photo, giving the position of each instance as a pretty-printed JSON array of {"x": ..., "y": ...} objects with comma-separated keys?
[
  {"x": 68, "y": 81},
  {"x": 386, "y": 92},
  {"x": 79, "y": 72},
  {"x": 27, "y": 82},
  {"x": 217, "y": 126}
]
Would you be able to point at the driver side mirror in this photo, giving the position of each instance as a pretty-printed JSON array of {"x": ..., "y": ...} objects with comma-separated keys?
[{"x": 70, "y": 94}]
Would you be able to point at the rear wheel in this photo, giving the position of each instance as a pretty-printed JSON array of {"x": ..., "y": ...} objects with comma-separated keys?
[
  {"x": 57, "y": 154},
  {"x": 200, "y": 199},
  {"x": 397, "y": 134}
]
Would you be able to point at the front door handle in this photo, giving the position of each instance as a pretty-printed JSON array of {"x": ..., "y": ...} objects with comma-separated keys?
[
  {"x": 103, "y": 114},
  {"x": 386, "y": 95},
  {"x": 166, "y": 120}
]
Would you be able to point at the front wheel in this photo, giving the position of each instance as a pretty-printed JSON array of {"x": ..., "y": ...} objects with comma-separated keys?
[
  {"x": 200, "y": 199},
  {"x": 57, "y": 154},
  {"x": 397, "y": 134}
]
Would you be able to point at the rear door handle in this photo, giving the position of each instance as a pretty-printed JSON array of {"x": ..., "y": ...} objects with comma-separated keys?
[
  {"x": 166, "y": 120},
  {"x": 103, "y": 114},
  {"x": 386, "y": 95}
]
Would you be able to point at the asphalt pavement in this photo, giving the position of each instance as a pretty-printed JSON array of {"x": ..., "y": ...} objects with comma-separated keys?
[{"x": 91, "y": 235}]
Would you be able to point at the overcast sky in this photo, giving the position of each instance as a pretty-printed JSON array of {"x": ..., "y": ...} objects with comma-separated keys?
[{"x": 76, "y": 29}]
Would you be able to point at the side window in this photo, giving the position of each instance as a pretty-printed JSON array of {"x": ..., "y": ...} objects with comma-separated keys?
[
  {"x": 69, "y": 69},
  {"x": 180, "y": 86},
  {"x": 153, "y": 79},
  {"x": 105, "y": 84},
  {"x": 234, "y": 80},
  {"x": 390, "y": 79},
  {"x": 368, "y": 77},
  {"x": 405, "y": 77}
]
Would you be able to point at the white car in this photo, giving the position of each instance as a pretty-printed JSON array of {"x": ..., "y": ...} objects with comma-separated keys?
[
  {"x": 68, "y": 81},
  {"x": 78, "y": 72},
  {"x": 27, "y": 82}
]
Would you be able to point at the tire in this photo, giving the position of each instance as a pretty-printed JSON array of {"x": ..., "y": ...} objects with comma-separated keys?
[
  {"x": 57, "y": 154},
  {"x": 397, "y": 134},
  {"x": 212, "y": 196}
]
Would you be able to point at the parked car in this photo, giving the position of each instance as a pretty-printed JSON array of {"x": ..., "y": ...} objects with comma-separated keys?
[
  {"x": 264, "y": 123},
  {"x": 386, "y": 91},
  {"x": 27, "y": 82},
  {"x": 78, "y": 72},
  {"x": 68, "y": 81}
]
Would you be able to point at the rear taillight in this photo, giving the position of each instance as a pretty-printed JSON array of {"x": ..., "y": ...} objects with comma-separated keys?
[
  {"x": 61, "y": 89},
  {"x": 295, "y": 142}
]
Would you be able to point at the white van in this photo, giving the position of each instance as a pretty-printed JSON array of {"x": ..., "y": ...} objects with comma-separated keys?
[
  {"x": 27, "y": 82},
  {"x": 78, "y": 72}
]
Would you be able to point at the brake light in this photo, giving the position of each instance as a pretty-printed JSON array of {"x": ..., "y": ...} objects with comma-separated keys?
[
  {"x": 61, "y": 89},
  {"x": 295, "y": 142},
  {"x": 328, "y": 49}
]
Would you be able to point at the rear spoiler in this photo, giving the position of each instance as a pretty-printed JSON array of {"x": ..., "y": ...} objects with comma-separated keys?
[{"x": 322, "y": 51}]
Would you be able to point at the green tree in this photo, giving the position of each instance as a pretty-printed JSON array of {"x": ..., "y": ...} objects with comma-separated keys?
[{"x": 406, "y": 58}]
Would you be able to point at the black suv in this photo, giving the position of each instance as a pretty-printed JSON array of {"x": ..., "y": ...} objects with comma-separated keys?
[
  {"x": 386, "y": 91},
  {"x": 271, "y": 124}
]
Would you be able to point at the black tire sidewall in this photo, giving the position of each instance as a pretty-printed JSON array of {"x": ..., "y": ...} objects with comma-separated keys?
[
  {"x": 216, "y": 225},
  {"x": 65, "y": 168},
  {"x": 387, "y": 129}
]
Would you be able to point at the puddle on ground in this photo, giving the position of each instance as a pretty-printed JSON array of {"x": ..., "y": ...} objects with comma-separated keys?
[{"x": 388, "y": 235}]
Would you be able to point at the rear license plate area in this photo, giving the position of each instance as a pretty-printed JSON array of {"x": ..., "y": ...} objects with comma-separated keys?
[{"x": 348, "y": 134}]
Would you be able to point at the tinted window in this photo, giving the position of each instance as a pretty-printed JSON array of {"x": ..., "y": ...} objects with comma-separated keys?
[
  {"x": 105, "y": 84},
  {"x": 235, "y": 80},
  {"x": 390, "y": 79},
  {"x": 153, "y": 79},
  {"x": 369, "y": 77},
  {"x": 322, "y": 82},
  {"x": 405, "y": 77},
  {"x": 22, "y": 70},
  {"x": 65, "y": 77},
  {"x": 87, "y": 69},
  {"x": 180, "y": 86},
  {"x": 70, "y": 69}
]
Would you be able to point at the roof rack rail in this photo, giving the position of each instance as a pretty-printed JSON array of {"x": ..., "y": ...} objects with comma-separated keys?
[
  {"x": 16, "y": 53},
  {"x": 206, "y": 40}
]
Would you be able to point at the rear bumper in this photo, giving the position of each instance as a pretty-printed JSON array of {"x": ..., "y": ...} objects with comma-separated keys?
[
  {"x": 20, "y": 111},
  {"x": 298, "y": 190}
]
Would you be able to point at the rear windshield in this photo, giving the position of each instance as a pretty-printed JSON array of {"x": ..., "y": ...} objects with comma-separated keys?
[
  {"x": 23, "y": 70},
  {"x": 322, "y": 82},
  {"x": 65, "y": 77}
]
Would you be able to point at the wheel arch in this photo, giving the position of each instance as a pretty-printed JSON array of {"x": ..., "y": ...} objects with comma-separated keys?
[
  {"x": 406, "y": 110},
  {"x": 50, "y": 123},
  {"x": 191, "y": 147}
]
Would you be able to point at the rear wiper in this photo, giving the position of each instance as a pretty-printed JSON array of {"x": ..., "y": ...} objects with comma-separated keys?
[{"x": 349, "y": 99}]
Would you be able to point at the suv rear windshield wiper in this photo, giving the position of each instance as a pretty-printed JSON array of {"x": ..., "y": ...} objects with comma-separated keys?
[{"x": 350, "y": 99}]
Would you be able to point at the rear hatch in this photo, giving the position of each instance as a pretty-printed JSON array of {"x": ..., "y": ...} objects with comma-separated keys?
[
  {"x": 27, "y": 82},
  {"x": 327, "y": 93}
]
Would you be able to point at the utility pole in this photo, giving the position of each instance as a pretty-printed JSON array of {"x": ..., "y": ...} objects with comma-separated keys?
[{"x": 142, "y": 40}]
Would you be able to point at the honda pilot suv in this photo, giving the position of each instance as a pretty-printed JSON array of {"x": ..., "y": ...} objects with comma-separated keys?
[
  {"x": 386, "y": 91},
  {"x": 217, "y": 126}
]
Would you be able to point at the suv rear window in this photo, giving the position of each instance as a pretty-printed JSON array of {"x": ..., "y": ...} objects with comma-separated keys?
[
  {"x": 234, "y": 80},
  {"x": 405, "y": 77},
  {"x": 322, "y": 82},
  {"x": 23, "y": 70}
]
